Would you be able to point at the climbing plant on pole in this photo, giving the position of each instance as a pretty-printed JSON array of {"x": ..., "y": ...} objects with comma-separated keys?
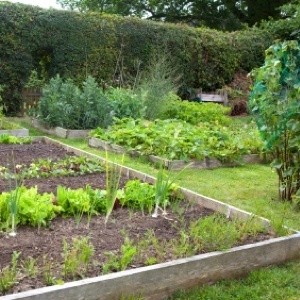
[{"x": 275, "y": 103}]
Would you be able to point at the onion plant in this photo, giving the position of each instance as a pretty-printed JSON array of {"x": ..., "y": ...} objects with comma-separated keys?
[
  {"x": 13, "y": 200},
  {"x": 113, "y": 176},
  {"x": 162, "y": 186}
]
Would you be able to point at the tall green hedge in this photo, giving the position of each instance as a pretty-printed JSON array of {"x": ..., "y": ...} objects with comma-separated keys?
[{"x": 76, "y": 45}]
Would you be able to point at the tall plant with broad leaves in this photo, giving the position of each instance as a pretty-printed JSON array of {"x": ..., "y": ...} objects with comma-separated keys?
[{"x": 275, "y": 103}]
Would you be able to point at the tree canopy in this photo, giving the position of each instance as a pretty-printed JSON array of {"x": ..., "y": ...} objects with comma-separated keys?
[{"x": 220, "y": 14}]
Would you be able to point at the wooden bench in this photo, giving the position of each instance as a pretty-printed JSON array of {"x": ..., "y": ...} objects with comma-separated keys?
[
  {"x": 31, "y": 97},
  {"x": 218, "y": 97}
]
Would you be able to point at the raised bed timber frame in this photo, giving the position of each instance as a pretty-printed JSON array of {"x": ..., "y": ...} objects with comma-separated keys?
[
  {"x": 206, "y": 163},
  {"x": 21, "y": 132},
  {"x": 160, "y": 280},
  {"x": 60, "y": 132}
]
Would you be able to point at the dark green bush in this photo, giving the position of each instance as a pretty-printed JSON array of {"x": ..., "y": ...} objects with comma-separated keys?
[
  {"x": 110, "y": 48},
  {"x": 64, "y": 104},
  {"x": 125, "y": 103}
]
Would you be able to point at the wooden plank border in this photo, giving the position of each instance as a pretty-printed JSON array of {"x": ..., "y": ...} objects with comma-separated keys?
[
  {"x": 159, "y": 281},
  {"x": 60, "y": 132},
  {"x": 22, "y": 132},
  {"x": 206, "y": 163}
]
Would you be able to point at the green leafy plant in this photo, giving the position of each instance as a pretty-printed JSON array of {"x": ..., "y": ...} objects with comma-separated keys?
[
  {"x": 195, "y": 113},
  {"x": 162, "y": 185},
  {"x": 175, "y": 139},
  {"x": 139, "y": 195},
  {"x": 13, "y": 205},
  {"x": 64, "y": 104},
  {"x": 75, "y": 202},
  {"x": 276, "y": 108},
  {"x": 76, "y": 257},
  {"x": 70, "y": 165},
  {"x": 183, "y": 246},
  {"x": 8, "y": 275},
  {"x": 30, "y": 267},
  {"x": 47, "y": 272},
  {"x": 118, "y": 262},
  {"x": 125, "y": 103},
  {"x": 213, "y": 233},
  {"x": 27, "y": 207},
  {"x": 10, "y": 139}
]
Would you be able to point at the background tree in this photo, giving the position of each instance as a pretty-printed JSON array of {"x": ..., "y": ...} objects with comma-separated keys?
[
  {"x": 253, "y": 11},
  {"x": 275, "y": 102},
  {"x": 220, "y": 14}
]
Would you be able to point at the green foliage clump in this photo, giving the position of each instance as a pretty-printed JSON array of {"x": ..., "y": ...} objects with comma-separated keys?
[
  {"x": 139, "y": 195},
  {"x": 77, "y": 257},
  {"x": 195, "y": 113},
  {"x": 175, "y": 139},
  {"x": 214, "y": 233},
  {"x": 120, "y": 261},
  {"x": 32, "y": 208},
  {"x": 69, "y": 165},
  {"x": 125, "y": 103},
  {"x": 65, "y": 104},
  {"x": 80, "y": 201},
  {"x": 276, "y": 107},
  {"x": 8, "y": 275},
  {"x": 10, "y": 139}
]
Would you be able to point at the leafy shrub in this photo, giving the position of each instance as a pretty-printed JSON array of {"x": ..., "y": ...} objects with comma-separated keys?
[
  {"x": 276, "y": 107},
  {"x": 125, "y": 103},
  {"x": 80, "y": 201},
  {"x": 195, "y": 113},
  {"x": 64, "y": 104}
]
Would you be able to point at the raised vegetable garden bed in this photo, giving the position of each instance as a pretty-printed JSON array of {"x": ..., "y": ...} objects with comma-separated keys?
[
  {"x": 207, "y": 163},
  {"x": 153, "y": 281},
  {"x": 59, "y": 131},
  {"x": 7, "y": 127},
  {"x": 15, "y": 132}
]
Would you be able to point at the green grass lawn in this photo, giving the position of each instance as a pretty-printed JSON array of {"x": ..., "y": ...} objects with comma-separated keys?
[{"x": 249, "y": 187}]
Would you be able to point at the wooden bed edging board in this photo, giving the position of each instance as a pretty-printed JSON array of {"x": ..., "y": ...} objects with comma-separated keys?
[
  {"x": 159, "y": 281},
  {"x": 206, "y": 163},
  {"x": 22, "y": 132},
  {"x": 60, "y": 132}
]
